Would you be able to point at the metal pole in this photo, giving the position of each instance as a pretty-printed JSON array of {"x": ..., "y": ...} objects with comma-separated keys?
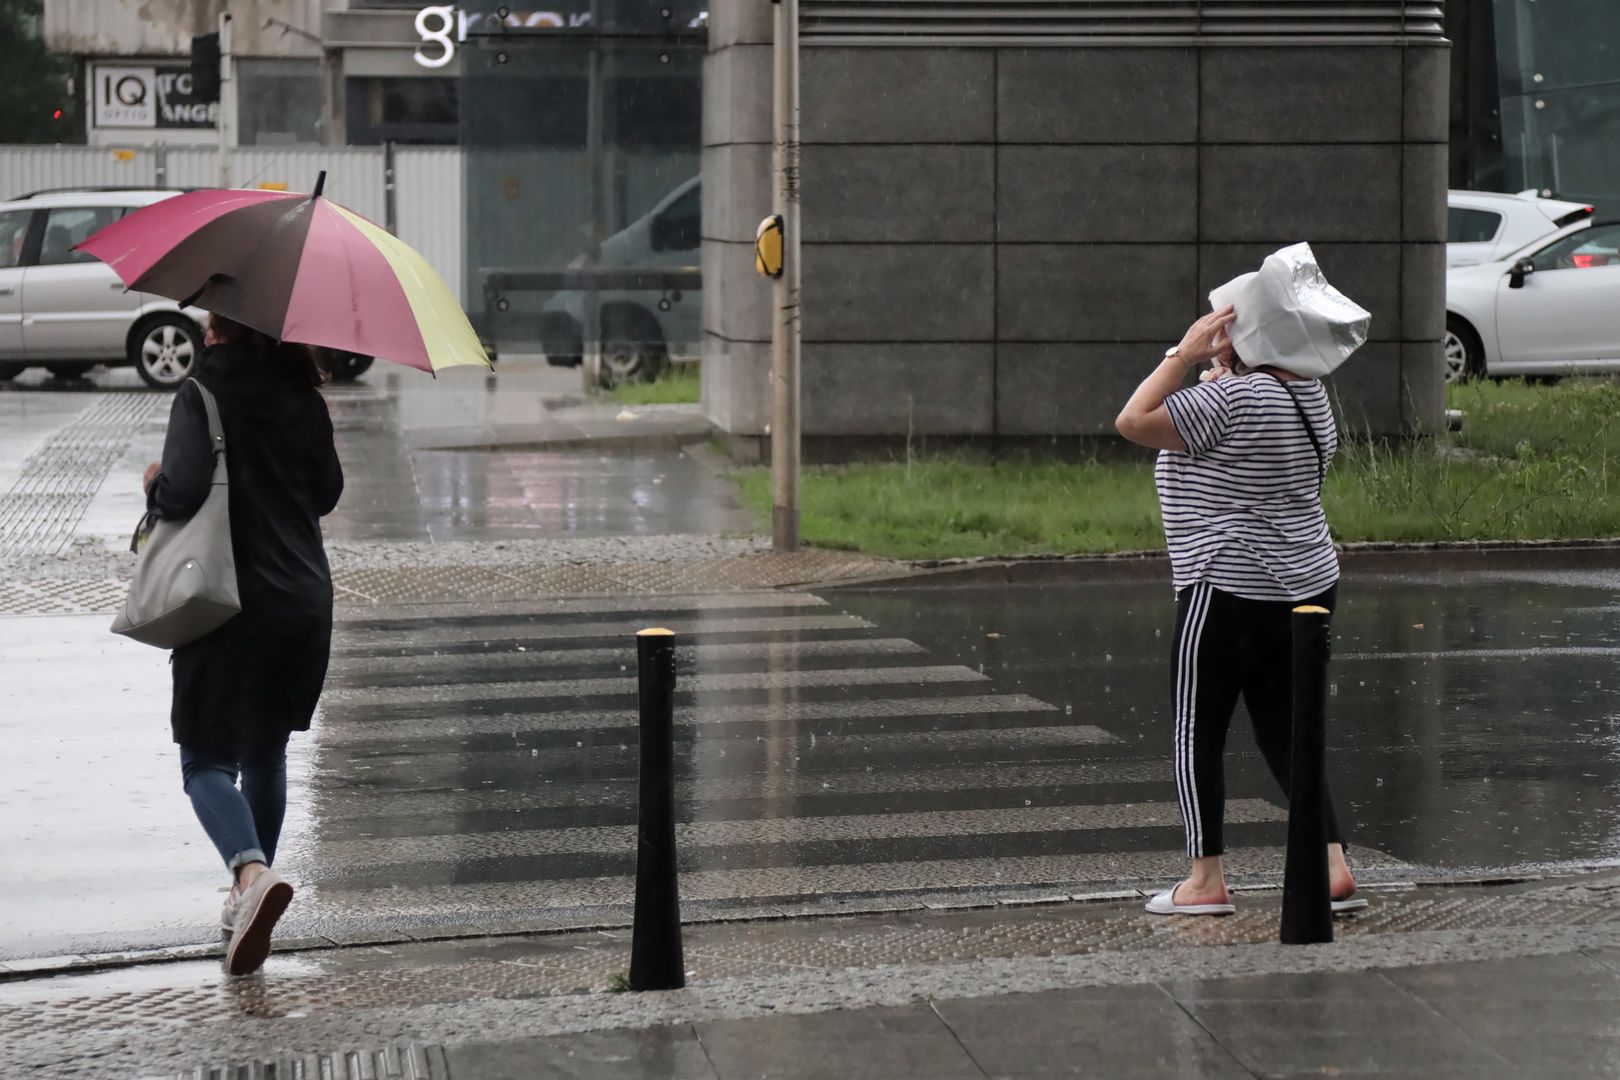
[
  {"x": 656, "y": 960},
  {"x": 590, "y": 340},
  {"x": 390, "y": 194},
  {"x": 227, "y": 94},
  {"x": 1307, "y": 911},
  {"x": 785, "y": 331}
]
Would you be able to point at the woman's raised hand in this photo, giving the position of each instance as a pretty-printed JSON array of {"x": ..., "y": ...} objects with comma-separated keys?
[{"x": 1207, "y": 339}]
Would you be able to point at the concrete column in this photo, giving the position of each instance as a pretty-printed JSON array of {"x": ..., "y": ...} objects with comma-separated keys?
[
  {"x": 1000, "y": 240},
  {"x": 736, "y": 196}
]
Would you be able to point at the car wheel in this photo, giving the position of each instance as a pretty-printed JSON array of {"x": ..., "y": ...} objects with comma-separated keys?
[
  {"x": 68, "y": 371},
  {"x": 164, "y": 350},
  {"x": 633, "y": 348},
  {"x": 11, "y": 371},
  {"x": 1465, "y": 356},
  {"x": 347, "y": 367}
]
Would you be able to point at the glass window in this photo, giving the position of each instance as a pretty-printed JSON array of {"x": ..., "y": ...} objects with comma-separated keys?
[
  {"x": 1464, "y": 226},
  {"x": 582, "y": 203},
  {"x": 1560, "y": 109},
  {"x": 13, "y": 235},
  {"x": 280, "y": 102},
  {"x": 1584, "y": 250},
  {"x": 66, "y": 226}
]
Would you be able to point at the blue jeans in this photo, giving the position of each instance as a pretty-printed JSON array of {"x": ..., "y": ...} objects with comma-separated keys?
[{"x": 243, "y": 824}]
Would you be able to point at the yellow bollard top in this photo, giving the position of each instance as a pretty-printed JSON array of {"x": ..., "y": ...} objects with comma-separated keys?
[
  {"x": 656, "y": 631},
  {"x": 1311, "y": 609}
]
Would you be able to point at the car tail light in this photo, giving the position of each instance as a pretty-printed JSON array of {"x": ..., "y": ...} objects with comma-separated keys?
[{"x": 1586, "y": 262}]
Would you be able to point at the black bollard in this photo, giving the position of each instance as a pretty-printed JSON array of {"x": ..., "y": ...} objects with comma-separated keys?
[
  {"x": 656, "y": 960},
  {"x": 1307, "y": 911}
]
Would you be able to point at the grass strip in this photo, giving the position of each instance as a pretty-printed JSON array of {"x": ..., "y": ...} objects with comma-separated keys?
[
  {"x": 677, "y": 384},
  {"x": 1533, "y": 462}
]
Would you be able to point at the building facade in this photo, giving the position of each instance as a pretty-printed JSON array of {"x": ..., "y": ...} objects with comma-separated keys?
[
  {"x": 1008, "y": 219},
  {"x": 134, "y": 62}
]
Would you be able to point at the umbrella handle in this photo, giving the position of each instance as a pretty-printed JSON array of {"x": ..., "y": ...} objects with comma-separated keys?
[{"x": 320, "y": 183}]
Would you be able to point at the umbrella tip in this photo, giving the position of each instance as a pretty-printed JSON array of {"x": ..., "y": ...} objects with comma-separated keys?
[{"x": 320, "y": 183}]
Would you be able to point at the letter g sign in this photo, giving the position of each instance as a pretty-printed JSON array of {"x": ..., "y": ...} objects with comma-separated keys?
[{"x": 441, "y": 36}]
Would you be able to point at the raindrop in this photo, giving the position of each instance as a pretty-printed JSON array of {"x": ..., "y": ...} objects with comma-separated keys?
[
  {"x": 1068, "y": 710},
  {"x": 534, "y": 753}
]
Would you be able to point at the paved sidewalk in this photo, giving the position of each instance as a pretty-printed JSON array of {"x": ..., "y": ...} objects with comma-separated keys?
[
  {"x": 1517, "y": 980},
  {"x": 510, "y": 485},
  {"x": 1539, "y": 1016}
]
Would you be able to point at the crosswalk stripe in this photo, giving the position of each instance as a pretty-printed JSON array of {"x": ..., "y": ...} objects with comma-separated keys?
[
  {"x": 396, "y": 732},
  {"x": 408, "y": 618},
  {"x": 461, "y": 847},
  {"x": 699, "y": 792},
  {"x": 808, "y": 753},
  {"x": 716, "y": 683},
  {"x": 354, "y": 671},
  {"x": 1079, "y": 872},
  {"x": 365, "y": 643}
]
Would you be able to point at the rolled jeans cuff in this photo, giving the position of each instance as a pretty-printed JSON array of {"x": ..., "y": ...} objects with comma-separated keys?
[{"x": 251, "y": 855}]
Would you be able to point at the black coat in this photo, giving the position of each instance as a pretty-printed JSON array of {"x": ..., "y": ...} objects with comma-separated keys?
[{"x": 260, "y": 675}]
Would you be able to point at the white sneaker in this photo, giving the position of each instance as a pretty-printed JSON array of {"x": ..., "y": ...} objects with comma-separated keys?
[
  {"x": 227, "y": 914},
  {"x": 1165, "y": 904},
  {"x": 260, "y": 908}
]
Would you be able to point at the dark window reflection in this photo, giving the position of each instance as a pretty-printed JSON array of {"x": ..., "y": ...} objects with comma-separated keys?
[{"x": 403, "y": 110}]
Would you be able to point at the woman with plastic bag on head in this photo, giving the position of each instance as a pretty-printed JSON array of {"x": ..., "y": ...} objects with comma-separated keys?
[{"x": 1243, "y": 457}]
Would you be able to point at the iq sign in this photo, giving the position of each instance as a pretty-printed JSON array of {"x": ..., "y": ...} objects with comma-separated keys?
[{"x": 147, "y": 97}]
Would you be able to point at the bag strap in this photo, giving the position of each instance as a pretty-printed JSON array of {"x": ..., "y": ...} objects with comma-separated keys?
[
  {"x": 1316, "y": 443},
  {"x": 216, "y": 430}
]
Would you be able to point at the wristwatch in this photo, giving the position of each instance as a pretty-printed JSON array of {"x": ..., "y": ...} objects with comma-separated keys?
[{"x": 1172, "y": 351}]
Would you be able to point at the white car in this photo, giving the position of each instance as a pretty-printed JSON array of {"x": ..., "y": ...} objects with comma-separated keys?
[
  {"x": 68, "y": 312},
  {"x": 1550, "y": 308},
  {"x": 1483, "y": 226},
  {"x": 641, "y": 328}
]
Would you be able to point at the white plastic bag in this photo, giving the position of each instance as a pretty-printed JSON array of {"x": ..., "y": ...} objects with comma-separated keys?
[{"x": 1289, "y": 317}]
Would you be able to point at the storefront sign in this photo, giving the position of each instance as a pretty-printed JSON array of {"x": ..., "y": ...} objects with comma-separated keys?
[
  {"x": 443, "y": 26},
  {"x": 155, "y": 96}
]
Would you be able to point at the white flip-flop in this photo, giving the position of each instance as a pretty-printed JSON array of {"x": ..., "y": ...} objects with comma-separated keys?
[
  {"x": 1351, "y": 903},
  {"x": 1165, "y": 904}
]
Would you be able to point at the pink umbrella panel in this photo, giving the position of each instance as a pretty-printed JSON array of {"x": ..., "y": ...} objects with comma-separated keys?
[{"x": 298, "y": 267}]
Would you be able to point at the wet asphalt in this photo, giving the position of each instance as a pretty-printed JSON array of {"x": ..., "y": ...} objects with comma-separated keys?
[{"x": 474, "y": 765}]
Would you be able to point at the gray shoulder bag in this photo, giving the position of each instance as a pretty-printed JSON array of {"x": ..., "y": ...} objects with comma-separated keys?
[{"x": 185, "y": 583}]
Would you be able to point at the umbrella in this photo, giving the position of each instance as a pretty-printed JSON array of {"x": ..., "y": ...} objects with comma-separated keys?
[{"x": 300, "y": 268}]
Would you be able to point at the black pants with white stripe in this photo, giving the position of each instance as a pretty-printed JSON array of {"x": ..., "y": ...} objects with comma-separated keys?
[{"x": 1229, "y": 647}]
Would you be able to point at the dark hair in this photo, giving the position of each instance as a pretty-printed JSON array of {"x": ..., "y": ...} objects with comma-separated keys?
[{"x": 300, "y": 362}]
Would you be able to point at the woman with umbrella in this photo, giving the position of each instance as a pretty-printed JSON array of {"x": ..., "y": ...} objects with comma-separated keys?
[
  {"x": 241, "y": 690},
  {"x": 281, "y": 273}
]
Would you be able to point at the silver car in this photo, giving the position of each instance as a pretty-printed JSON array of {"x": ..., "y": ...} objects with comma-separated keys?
[{"x": 67, "y": 312}]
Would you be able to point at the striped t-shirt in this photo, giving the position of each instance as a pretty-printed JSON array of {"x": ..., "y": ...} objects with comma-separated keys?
[{"x": 1242, "y": 507}]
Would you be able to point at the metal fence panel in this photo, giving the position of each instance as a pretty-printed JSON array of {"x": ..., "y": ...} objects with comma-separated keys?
[
  {"x": 37, "y": 168},
  {"x": 428, "y": 209},
  {"x": 354, "y": 175}
]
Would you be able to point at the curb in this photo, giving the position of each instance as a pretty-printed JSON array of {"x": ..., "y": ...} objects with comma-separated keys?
[{"x": 960, "y": 899}]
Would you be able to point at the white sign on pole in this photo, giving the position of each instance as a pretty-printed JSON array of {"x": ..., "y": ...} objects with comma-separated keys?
[{"x": 124, "y": 97}]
